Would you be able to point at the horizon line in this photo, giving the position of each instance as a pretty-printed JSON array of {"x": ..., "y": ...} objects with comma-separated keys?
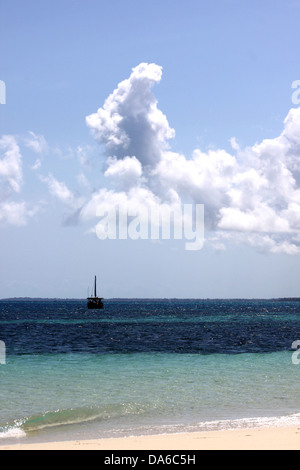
[{"x": 148, "y": 298}]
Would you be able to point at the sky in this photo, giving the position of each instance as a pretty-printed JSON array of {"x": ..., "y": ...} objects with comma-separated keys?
[{"x": 149, "y": 106}]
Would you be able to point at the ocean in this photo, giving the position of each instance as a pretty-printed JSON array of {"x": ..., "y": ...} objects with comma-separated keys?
[{"x": 144, "y": 366}]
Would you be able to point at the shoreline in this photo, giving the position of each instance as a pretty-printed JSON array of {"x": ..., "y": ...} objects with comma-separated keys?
[{"x": 266, "y": 438}]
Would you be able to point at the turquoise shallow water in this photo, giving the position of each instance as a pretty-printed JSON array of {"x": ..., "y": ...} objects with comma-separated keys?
[
  {"x": 71, "y": 395},
  {"x": 60, "y": 383}
]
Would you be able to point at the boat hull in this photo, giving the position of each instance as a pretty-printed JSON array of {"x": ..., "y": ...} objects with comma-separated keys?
[{"x": 95, "y": 304}]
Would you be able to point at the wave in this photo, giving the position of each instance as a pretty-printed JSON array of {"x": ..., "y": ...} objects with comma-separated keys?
[{"x": 67, "y": 417}]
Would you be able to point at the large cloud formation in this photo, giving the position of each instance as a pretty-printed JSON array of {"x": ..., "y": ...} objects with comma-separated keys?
[{"x": 250, "y": 195}]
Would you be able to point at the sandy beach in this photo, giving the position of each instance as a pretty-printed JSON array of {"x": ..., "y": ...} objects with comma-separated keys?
[{"x": 276, "y": 438}]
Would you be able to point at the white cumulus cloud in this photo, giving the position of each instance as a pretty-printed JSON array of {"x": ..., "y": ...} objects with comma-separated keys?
[
  {"x": 11, "y": 179},
  {"x": 125, "y": 173},
  {"x": 251, "y": 195},
  {"x": 11, "y": 175},
  {"x": 130, "y": 123}
]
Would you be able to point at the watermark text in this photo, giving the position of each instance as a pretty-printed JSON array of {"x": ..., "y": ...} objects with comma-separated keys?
[
  {"x": 296, "y": 354},
  {"x": 160, "y": 222},
  {"x": 2, "y": 92},
  {"x": 2, "y": 353},
  {"x": 296, "y": 93}
]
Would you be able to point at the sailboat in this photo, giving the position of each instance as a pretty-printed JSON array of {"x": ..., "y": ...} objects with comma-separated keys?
[{"x": 94, "y": 301}]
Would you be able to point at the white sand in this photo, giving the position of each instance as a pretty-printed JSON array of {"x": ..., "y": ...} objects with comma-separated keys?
[{"x": 273, "y": 438}]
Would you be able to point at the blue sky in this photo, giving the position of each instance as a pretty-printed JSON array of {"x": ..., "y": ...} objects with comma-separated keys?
[{"x": 217, "y": 78}]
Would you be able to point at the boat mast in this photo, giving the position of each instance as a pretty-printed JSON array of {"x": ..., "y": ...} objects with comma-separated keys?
[{"x": 95, "y": 288}]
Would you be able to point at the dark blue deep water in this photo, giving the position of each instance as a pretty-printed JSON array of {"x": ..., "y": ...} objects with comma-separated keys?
[{"x": 173, "y": 326}]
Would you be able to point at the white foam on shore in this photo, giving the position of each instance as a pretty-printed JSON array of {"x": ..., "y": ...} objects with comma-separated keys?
[
  {"x": 239, "y": 423},
  {"x": 13, "y": 432},
  {"x": 204, "y": 426}
]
